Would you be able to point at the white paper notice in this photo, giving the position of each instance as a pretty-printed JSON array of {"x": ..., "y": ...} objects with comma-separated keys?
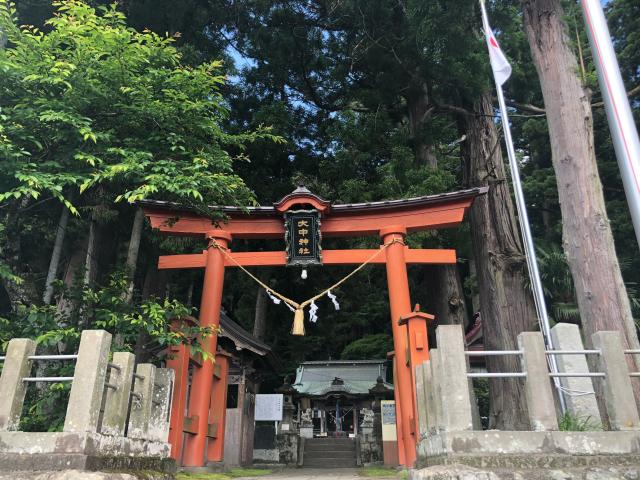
[{"x": 269, "y": 407}]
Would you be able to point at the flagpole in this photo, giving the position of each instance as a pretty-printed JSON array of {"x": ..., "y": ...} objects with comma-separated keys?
[
  {"x": 527, "y": 238},
  {"x": 621, "y": 123}
]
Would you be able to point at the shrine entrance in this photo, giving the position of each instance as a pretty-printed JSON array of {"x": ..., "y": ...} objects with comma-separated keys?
[
  {"x": 203, "y": 418},
  {"x": 342, "y": 416}
]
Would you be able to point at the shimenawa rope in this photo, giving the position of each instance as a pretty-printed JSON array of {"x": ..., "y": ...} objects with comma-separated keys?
[{"x": 298, "y": 318}]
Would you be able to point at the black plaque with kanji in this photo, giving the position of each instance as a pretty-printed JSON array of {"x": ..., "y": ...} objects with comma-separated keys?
[{"x": 302, "y": 236}]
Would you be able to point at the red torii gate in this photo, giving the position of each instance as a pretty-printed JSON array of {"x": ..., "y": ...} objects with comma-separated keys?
[{"x": 391, "y": 220}]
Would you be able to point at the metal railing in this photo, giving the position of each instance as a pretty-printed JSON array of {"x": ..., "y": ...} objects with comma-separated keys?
[
  {"x": 494, "y": 353},
  {"x": 497, "y": 353},
  {"x": 49, "y": 358},
  {"x": 572, "y": 352},
  {"x": 633, "y": 352}
]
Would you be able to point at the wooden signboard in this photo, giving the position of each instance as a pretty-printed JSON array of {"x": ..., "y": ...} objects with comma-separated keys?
[{"x": 302, "y": 237}]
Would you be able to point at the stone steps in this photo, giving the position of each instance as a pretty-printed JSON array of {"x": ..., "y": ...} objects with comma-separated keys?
[{"x": 329, "y": 453}]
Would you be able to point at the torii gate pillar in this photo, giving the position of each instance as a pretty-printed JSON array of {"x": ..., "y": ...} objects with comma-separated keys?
[
  {"x": 400, "y": 305},
  {"x": 194, "y": 445}
]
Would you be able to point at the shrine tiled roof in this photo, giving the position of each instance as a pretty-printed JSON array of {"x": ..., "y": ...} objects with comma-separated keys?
[{"x": 352, "y": 377}]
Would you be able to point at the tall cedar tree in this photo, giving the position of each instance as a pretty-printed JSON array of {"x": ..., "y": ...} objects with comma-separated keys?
[{"x": 587, "y": 238}]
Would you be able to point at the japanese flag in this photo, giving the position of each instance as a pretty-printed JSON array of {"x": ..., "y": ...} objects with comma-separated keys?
[{"x": 499, "y": 63}]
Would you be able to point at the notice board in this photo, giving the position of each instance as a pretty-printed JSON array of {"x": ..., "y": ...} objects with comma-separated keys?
[
  {"x": 388, "y": 408},
  {"x": 269, "y": 407}
]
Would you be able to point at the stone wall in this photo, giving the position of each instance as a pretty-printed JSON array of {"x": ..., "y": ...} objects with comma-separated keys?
[
  {"x": 130, "y": 431},
  {"x": 447, "y": 432}
]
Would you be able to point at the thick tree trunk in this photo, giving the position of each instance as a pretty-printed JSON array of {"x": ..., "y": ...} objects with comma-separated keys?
[
  {"x": 134, "y": 249},
  {"x": 587, "y": 238},
  {"x": 260, "y": 317},
  {"x": 56, "y": 255},
  {"x": 25, "y": 292},
  {"x": 419, "y": 111},
  {"x": 70, "y": 277},
  {"x": 450, "y": 308},
  {"x": 505, "y": 303},
  {"x": 448, "y": 297},
  {"x": 91, "y": 260}
]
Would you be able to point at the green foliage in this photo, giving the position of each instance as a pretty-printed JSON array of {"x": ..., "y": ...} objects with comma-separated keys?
[
  {"x": 233, "y": 473},
  {"x": 481, "y": 392},
  {"x": 93, "y": 101},
  {"x": 368, "y": 347},
  {"x": 572, "y": 423},
  {"x": 105, "y": 308},
  {"x": 58, "y": 328},
  {"x": 382, "y": 472}
]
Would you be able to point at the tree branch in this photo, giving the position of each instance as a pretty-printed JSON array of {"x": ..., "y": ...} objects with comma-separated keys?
[{"x": 630, "y": 94}]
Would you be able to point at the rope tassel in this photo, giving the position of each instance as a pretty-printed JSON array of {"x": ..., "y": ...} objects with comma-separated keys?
[{"x": 298, "y": 322}]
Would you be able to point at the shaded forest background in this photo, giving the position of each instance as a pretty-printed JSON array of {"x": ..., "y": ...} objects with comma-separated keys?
[{"x": 373, "y": 100}]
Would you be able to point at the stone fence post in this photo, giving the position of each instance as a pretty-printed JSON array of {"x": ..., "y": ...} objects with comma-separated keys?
[
  {"x": 454, "y": 385},
  {"x": 116, "y": 407},
  {"x": 580, "y": 398},
  {"x": 431, "y": 398},
  {"x": 87, "y": 389},
  {"x": 12, "y": 389},
  {"x": 142, "y": 401},
  {"x": 618, "y": 394},
  {"x": 540, "y": 401},
  {"x": 421, "y": 399},
  {"x": 161, "y": 404}
]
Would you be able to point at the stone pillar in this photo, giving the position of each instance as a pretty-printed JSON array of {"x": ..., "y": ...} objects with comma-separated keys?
[
  {"x": 454, "y": 385},
  {"x": 12, "y": 389},
  {"x": 116, "y": 408},
  {"x": 429, "y": 398},
  {"x": 435, "y": 393},
  {"x": 421, "y": 398},
  {"x": 87, "y": 389},
  {"x": 540, "y": 401},
  {"x": 142, "y": 401},
  {"x": 161, "y": 405},
  {"x": 618, "y": 394},
  {"x": 581, "y": 400}
]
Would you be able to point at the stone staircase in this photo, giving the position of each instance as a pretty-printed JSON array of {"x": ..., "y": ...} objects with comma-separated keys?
[{"x": 329, "y": 453}]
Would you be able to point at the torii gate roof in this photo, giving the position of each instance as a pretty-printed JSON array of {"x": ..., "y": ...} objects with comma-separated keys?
[{"x": 348, "y": 219}]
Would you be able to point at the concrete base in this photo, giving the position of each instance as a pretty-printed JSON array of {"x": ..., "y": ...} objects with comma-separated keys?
[
  {"x": 306, "y": 432},
  {"x": 12, "y": 462},
  {"x": 465, "y": 472},
  {"x": 530, "y": 450},
  {"x": 82, "y": 475},
  {"x": 46, "y": 451}
]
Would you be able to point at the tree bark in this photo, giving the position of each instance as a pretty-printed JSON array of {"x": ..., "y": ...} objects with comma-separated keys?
[
  {"x": 506, "y": 305},
  {"x": 70, "y": 277},
  {"x": 587, "y": 238},
  {"x": 260, "y": 317},
  {"x": 450, "y": 306},
  {"x": 90, "y": 262},
  {"x": 419, "y": 110},
  {"x": 25, "y": 292},
  {"x": 56, "y": 255},
  {"x": 134, "y": 249}
]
